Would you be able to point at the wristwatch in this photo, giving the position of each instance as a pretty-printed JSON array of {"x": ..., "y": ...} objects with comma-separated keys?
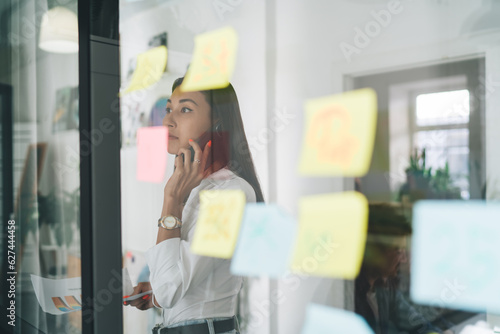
[{"x": 169, "y": 222}]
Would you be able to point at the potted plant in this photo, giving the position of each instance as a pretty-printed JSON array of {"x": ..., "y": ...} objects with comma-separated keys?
[
  {"x": 442, "y": 184},
  {"x": 421, "y": 183},
  {"x": 418, "y": 178}
]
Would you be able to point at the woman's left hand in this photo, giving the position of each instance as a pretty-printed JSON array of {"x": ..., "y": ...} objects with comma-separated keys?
[
  {"x": 187, "y": 174},
  {"x": 143, "y": 303}
]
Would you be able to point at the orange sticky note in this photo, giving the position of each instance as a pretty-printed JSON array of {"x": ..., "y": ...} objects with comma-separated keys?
[
  {"x": 339, "y": 134},
  {"x": 214, "y": 58},
  {"x": 152, "y": 153}
]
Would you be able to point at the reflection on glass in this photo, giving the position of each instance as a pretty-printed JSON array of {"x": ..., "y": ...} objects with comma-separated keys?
[
  {"x": 379, "y": 295},
  {"x": 46, "y": 175}
]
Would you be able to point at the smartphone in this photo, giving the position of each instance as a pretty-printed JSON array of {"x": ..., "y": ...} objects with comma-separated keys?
[
  {"x": 134, "y": 297},
  {"x": 202, "y": 142},
  {"x": 220, "y": 148}
]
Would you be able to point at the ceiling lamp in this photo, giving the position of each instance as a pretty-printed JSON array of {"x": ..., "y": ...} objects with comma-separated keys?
[{"x": 59, "y": 31}]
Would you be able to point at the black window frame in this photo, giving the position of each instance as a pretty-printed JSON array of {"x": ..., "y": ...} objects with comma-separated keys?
[{"x": 99, "y": 84}]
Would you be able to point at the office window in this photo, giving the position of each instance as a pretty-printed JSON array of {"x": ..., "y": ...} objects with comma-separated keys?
[{"x": 442, "y": 128}]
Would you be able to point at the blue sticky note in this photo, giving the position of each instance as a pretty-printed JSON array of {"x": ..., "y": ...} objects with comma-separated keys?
[
  {"x": 265, "y": 242},
  {"x": 324, "y": 319},
  {"x": 456, "y": 255}
]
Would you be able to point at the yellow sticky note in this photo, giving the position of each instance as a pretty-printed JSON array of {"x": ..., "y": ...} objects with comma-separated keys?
[
  {"x": 213, "y": 60},
  {"x": 339, "y": 134},
  {"x": 218, "y": 225},
  {"x": 149, "y": 69},
  {"x": 331, "y": 235}
]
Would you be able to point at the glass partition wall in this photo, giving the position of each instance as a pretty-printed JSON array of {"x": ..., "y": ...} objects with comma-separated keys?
[
  {"x": 82, "y": 83},
  {"x": 436, "y": 90},
  {"x": 41, "y": 266},
  {"x": 58, "y": 149}
]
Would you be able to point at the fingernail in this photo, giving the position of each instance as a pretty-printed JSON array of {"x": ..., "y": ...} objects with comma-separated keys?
[
  {"x": 210, "y": 143},
  {"x": 190, "y": 140},
  {"x": 126, "y": 296},
  {"x": 145, "y": 297},
  {"x": 124, "y": 303}
]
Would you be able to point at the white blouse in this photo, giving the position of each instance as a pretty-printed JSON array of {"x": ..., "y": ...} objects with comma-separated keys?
[{"x": 189, "y": 286}]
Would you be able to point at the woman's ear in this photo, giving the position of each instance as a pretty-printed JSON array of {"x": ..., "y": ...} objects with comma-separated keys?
[
  {"x": 217, "y": 126},
  {"x": 216, "y": 119}
]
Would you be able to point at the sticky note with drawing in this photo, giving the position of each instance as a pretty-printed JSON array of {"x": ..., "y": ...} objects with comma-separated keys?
[
  {"x": 213, "y": 62},
  {"x": 339, "y": 134},
  {"x": 321, "y": 319},
  {"x": 331, "y": 236},
  {"x": 152, "y": 153},
  {"x": 455, "y": 258},
  {"x": 149, "y": 69},
  {"x": 265, "y": 242},
  {"x": 218, "y": 223}
]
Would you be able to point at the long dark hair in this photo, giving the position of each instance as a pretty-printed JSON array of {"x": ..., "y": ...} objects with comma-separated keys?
[{"x": 225, "y": 109}]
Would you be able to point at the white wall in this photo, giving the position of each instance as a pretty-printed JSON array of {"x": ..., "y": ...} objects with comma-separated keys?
[
  {"x": 311, "y": 64},
  {"x": 492, "y": 124}
]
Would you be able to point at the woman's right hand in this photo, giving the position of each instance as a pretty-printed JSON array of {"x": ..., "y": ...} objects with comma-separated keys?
[{"x": 142, "y": 303}]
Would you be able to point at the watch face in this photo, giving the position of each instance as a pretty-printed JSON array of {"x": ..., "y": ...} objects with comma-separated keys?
[{"x": 170, "y": 222}]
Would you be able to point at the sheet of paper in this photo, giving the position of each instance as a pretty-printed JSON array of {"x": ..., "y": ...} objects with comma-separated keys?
[
  {"x": 149, "y": 69},
  {"x": 455, "y": 257},
  {"x": 265, "y": 242},
  {"x": 152, "y": 153},
  {"x": 332, "y": 235},
  {"x": 127, "y": 286},
  {"x": 339, "y": 134},
  {"x": 218, "y": 224},
  {"x": 60, "y": 296},
  {"x": 213, "y": 62},
  {"x": 321, "y": 319}
]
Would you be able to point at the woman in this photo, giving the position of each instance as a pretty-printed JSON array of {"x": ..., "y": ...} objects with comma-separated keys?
[{"x": 197, "y": 294}]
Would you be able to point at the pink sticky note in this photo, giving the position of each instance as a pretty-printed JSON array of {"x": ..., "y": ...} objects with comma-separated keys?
[{"x": 152, "y": 153}]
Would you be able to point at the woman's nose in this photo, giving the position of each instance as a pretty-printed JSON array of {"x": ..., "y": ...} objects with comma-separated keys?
[{"x": 169, "y": 120}]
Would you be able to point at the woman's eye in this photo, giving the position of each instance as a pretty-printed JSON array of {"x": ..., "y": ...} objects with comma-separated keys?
[
  {"x": 168, "y": 110},
  {"x": 186, "y": 110}
]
